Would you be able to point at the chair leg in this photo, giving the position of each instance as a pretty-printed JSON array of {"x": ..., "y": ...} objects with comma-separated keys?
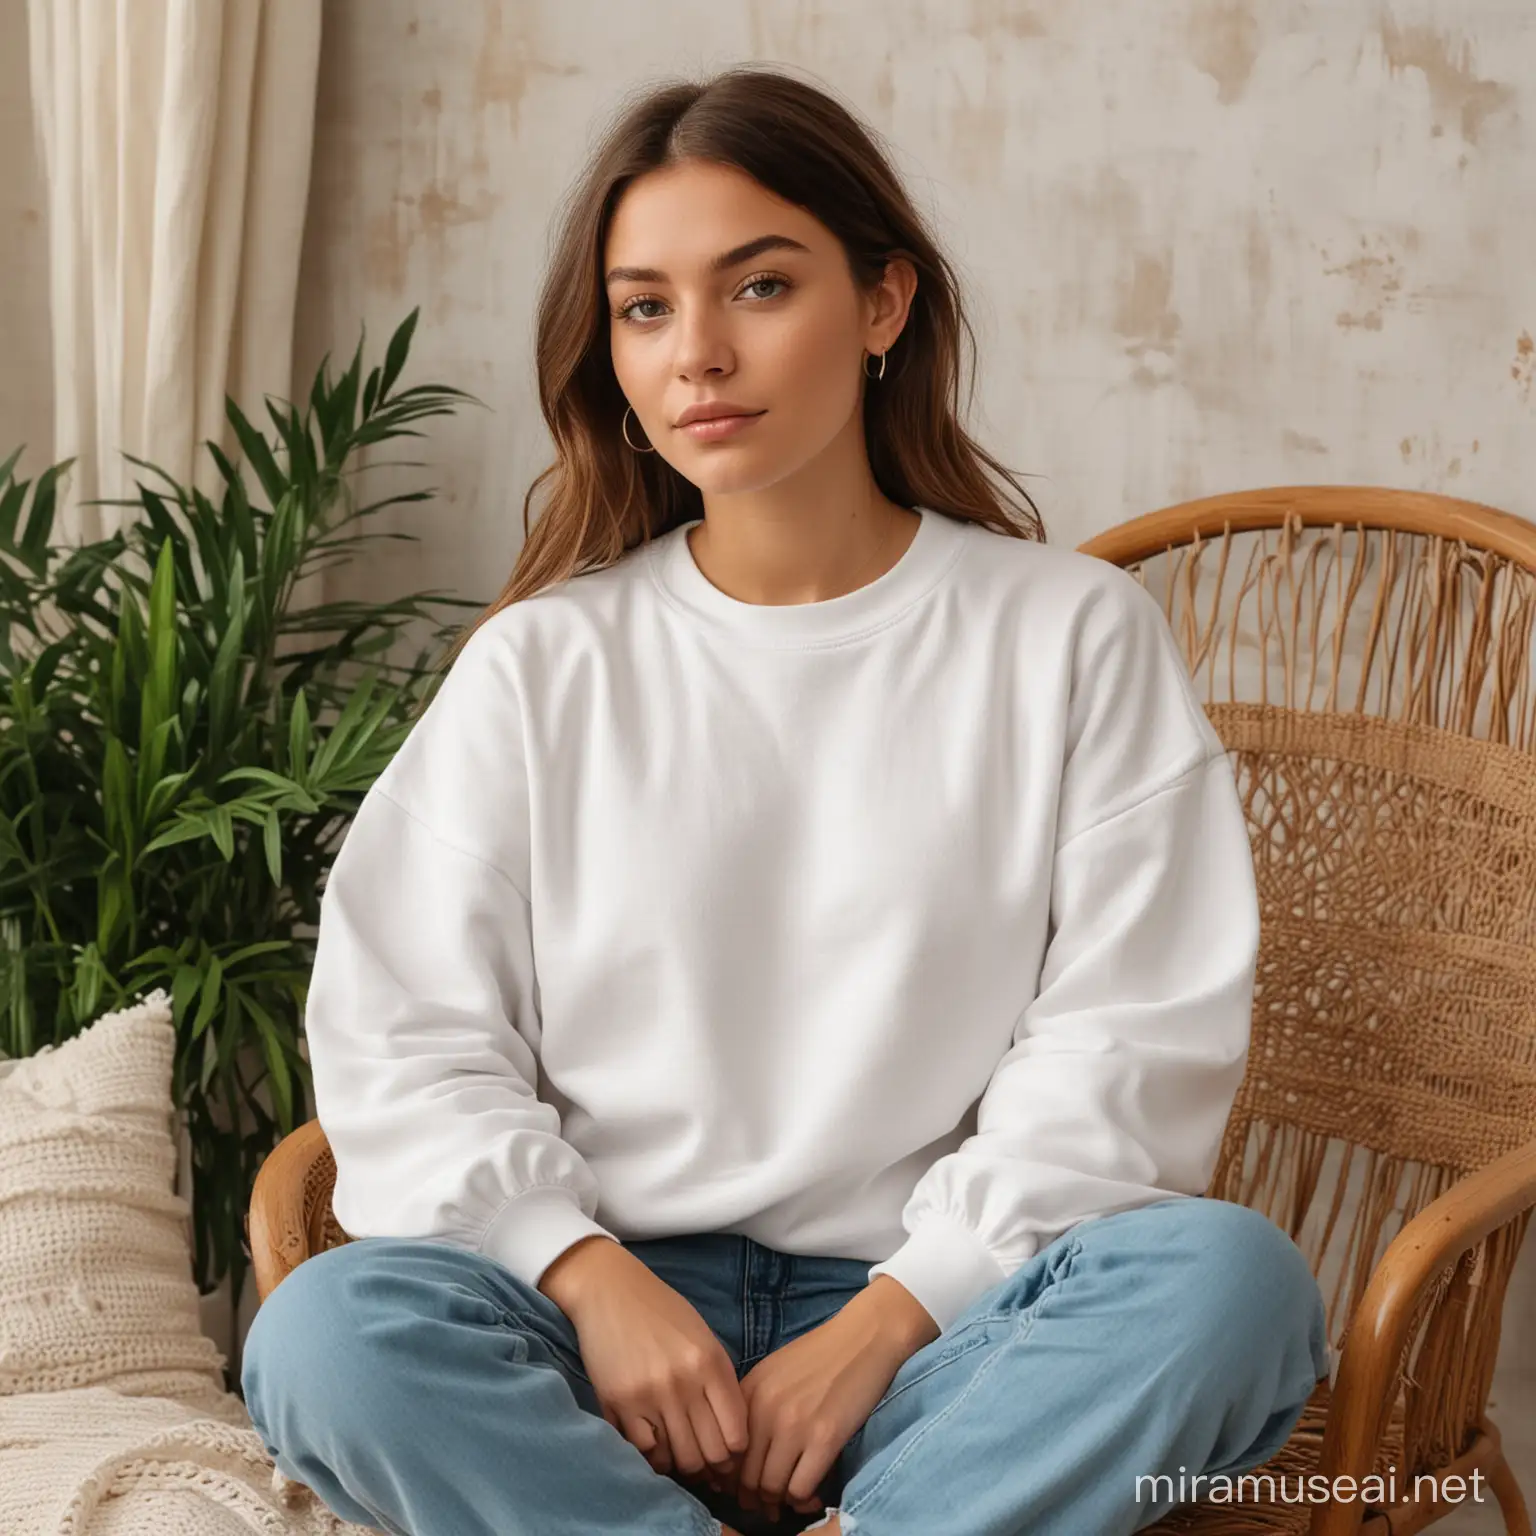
[{"x": 1501, "y": 1478}]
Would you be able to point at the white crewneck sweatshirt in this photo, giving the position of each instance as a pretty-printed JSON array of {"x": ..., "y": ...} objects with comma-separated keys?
[{"x": 916, "y": 925}]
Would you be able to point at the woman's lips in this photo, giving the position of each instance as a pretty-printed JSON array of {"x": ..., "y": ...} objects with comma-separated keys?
[{"x": 717, "y": 427}]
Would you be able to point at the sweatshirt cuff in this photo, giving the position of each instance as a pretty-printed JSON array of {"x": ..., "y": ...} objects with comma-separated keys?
[
  {"x": 535, "y": 1227},
  {"x": 945, "y": 1265}
]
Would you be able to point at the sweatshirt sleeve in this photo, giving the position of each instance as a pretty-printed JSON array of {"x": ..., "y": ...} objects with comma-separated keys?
[
  {"x": 422, "y": 1014},
  {"x": 1123, "y": 1069}
]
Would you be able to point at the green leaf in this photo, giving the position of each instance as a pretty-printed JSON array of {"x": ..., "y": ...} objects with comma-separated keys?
[
  {"x": 300, "y": 738},
  {"x": 257, "y": 452},
  {"x": 236, "y": 512},
  {"x": 117, "y": 793},
  {"x": 152, "y": 756},
  {"x": 11, "y": 851},
  {"x": 162, "y": 797},
  {"x": 12, "y": 500},
  {"x": 272, "y": 843},
  {"x": 267, "y": 776},
  {"x": 113, "y": 902},
  {"x": 336, "y": 741},
  {"x": 320, "y": 392},
  {"x": 221, "y": 828},
  {"x": 272, "y": 1051},
  {"x": 184, "y": 988},
  {"x": 230, "y": 1039},
  {"x": 212, "y": 990},
  {"x": 396, "y": 353},
  {"x": 224, "y": 679},
  {"x": 210, "y": 1060},
  {"x": 47, "y": 663},
  {"x": 23, "y": 1018},
  {"x": 266, "y": 947},
  {"x": 129, "y": 662},
  {"x": 188, "y": 828},
  {"x": 89, "y": 982},
  {"x": 344, "y": 410},
  {"x": 34, "y": 542}
]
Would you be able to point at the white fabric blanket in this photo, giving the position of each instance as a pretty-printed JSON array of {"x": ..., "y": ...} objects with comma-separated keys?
[{"x": 89, "y": 1461}]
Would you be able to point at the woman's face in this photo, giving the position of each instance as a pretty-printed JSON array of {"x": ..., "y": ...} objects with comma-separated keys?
[{"x": 720, "y": 291}]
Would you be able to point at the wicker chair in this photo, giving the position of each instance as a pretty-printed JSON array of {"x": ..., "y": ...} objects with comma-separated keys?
[{"x": 1366, "y": 655}]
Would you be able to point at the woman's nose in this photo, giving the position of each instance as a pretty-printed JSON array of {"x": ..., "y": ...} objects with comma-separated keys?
[{"x": 703, "y": 345}]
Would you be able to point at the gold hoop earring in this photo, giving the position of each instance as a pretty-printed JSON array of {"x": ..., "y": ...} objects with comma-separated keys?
[
  {"x": 867, "y": 373},
  {"x": 624, "y": 430}
]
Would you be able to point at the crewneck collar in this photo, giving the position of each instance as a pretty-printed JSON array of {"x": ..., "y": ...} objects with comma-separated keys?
[{"x": 935, "y": 547}]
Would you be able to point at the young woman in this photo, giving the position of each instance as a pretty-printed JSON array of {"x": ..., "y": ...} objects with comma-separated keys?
[{"x": 776, "y": 1015}]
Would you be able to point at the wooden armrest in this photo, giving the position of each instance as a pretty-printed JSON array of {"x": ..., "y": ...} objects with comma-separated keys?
[
  {"x": 1366, "y": 1382},
  {"x": 282, "y": 1230}
]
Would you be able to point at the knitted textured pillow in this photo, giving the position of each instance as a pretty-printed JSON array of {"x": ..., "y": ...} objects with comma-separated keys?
[{"x": 96, "y": 1282}]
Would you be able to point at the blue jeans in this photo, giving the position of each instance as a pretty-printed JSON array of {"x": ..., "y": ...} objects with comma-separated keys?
[{"x": 425, "y": 1391}]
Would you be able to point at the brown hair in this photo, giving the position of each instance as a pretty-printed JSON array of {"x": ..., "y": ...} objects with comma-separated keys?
[{"x": 795, "y": 140}]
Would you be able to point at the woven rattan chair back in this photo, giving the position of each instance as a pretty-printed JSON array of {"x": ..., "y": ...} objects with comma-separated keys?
[{"x": 1366, "y": 657}]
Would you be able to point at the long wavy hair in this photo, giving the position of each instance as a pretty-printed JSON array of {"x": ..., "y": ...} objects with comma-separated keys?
[{"x": 603, "y": 499}]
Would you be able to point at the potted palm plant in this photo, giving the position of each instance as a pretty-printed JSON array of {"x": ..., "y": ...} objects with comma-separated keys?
[{"x": 181, "y": 749}]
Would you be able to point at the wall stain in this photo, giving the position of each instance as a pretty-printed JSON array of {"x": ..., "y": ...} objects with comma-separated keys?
[
  {"x": 505, "y": 66},
  {"x": 1145, "y": 316},
  {"x": 385, "y": 250},
  {"x": 978, "y": 116},
  {"x": 1300, "y": 442},
  {"x": 1428, "y": 452},
  {"x": 440, "y": 210},
  {"x": 1008, "y": 17},
  {"x": 1224, "y": 43},
  {"x": 391, "y": 235},
  {"x": 448, "y": 152},
  {"x": 1100, "y": 214},
  {"x": 1378, "y": 279},
  {"x": 1455, "y": 92},
  {"x": 885, "y": 88},
  {"x": 1524, "y": 365}
]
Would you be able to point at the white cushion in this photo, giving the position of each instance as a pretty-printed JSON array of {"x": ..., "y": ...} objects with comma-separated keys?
[
  {"x": 114, "y": 1420},
  {"x": 96, "y": 1284}
]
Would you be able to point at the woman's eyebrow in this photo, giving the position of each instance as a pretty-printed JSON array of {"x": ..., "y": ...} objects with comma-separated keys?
[{"x": 720, "y": 263}]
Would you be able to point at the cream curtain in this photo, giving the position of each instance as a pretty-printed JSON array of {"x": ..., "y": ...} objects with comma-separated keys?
[{"x": 176, "y": 139}]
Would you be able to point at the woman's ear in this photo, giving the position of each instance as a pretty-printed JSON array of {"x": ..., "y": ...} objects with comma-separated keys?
[{"x": 892, "y": 302}]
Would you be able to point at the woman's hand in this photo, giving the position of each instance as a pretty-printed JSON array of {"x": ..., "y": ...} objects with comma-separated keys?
[
  {"x": 808, "y": 1398},
  {"x": 663, "y": 1379}
]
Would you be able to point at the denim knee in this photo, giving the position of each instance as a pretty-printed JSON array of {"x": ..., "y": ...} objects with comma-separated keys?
[
  {"x": 1247, "y": 1280},
  {"x": 298, "y": 1343}
]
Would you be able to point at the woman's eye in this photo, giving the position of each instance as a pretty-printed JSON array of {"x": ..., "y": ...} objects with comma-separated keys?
[
  {"x": 757, "y": 282},
  {"x": 627, "y": 312}
]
